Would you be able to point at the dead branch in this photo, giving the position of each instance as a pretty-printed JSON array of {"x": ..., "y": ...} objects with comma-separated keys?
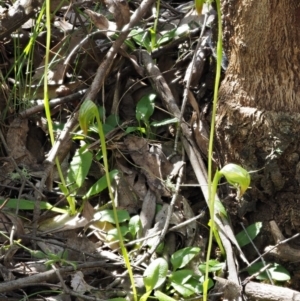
[
  {"x": 49, "y": 276},
  {"x": 282, "y": 251},
  {"x": 267, "y": 292}
]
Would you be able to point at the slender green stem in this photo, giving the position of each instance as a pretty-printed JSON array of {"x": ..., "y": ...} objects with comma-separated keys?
[
  {"x": 154, "y": 34},
  {"x": 111, "y": 195},
  {"x": 212, "y": 188},
  {"x": 47, "y": 107},
  {"x": 46, "y": 94}
]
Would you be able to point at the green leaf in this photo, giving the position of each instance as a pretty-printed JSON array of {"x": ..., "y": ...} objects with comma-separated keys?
[
  {"x": 135, "y": 225},
  {"x": 107, "y": 215},
  {"x": 214, "y": 266},
  {"x": 277, "y": 272},
  {"x": 131, "y": 129},
  {"x": 79, "y": 167},
  {"x": 117, "y": 299},
  {"x": 105, "y": 127},
  {"x": 164, "y": 122},
  {"x": 112, "y": 120},
  {"x": 37, "y": 254},
  {"x": 236, "y": 176},
  {"x": 252, "y": 230},
  {"x": 141, "y": 37},
  {"x": 198, "y": 284},
  {"x": 100, "y": 185},
  {"x": 146, "y": 296},
  {"x": 145, "y": 107},
  {"x": 199, "y": 5},
  {"x": 183, "y": 256},
  {"x": 87, "y": 114},
  {"x": 113, "y": 235},
  {"x": 155, "y": 274},
  {"x": 166, "y": 37},
  {"x": 185, "y": 283},
  {"x": 130, "y": 44},
  {"x": 181, "y": 276},
  {"x": 23, "y": 204},
  {"x": 183, "y": 289},
  {"x": 163, "y": 297}
]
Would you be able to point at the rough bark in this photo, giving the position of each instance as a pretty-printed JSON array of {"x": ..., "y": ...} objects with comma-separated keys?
[
  {"x": 263, "y": 39},
  {"x": 258, "y": 122}
]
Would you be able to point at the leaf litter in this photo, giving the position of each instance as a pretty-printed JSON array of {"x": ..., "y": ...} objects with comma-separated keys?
[
  {"x": 146, "y": 177},
  {"x": 140, "y": 136}
]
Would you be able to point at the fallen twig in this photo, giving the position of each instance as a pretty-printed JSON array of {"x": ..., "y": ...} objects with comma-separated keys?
[
  {"x": 267, "y": 292},
  {"x": 49, "y": 276},
  {"x": 281, "y": 250},
  {"x": 52, "y": 103}
]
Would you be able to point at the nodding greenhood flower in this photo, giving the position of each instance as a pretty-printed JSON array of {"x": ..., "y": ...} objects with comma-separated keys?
[
  {"x": 236, "y": 176},
  {"x": 87, "y": 113}
]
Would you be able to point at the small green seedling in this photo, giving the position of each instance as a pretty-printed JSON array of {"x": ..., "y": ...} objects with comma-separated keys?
[
  {"x": 144, "y": 110},
  {"x": 129, "y": 226},
  {"x": 181, "y": 281},
  {"x": 154, "y": 276}
]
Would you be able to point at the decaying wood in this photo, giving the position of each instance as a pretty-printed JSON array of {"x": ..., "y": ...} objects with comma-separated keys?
[{"x": 266, "y": 292}]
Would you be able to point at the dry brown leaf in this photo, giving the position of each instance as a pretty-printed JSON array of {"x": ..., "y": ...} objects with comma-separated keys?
[
  {"x": 125, "y": 196},
  {"x": 120, "y": 10},
  {"x": 30, "y": 268},
  {"x": 7, "y": 221},
  {"x": 102, "y": 23},
  {"x": 62, "y": 222},
  {"x": 79, "y": 285},
  {"x": 6, "y": 273},
  {"x": 160, "y": 220},
  {"x": 200, "y": 133},
  {"x": 56, "y": 68},
  {"x": 152, "y": 162},
  {"x": 148, "y": 211},
  {"x": 16, "y": 141},
  {"x": 99, "y": 228},
  {"x": 135, "y": 180},
  {"x": 182, "y": 213}
]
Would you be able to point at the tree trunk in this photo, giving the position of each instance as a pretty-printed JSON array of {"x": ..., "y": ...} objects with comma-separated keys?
[{"x": 258, "y": 122}]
